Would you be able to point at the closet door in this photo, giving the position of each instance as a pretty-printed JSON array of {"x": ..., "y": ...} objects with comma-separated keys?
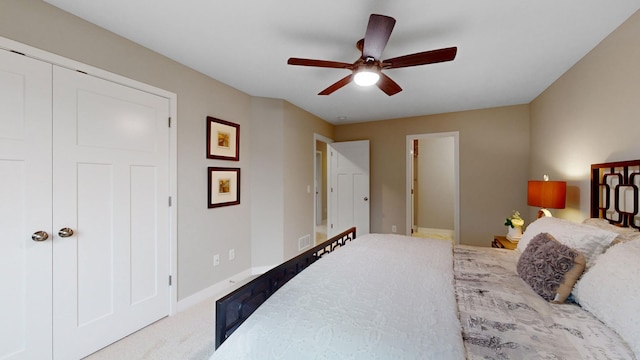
[
  {"x": 25, "y": 207},
  {"x": 111, "y": 188}
]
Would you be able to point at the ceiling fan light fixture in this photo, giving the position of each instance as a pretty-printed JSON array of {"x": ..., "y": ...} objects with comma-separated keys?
[
  {"x": 366, "y": 77},
  {"x": 367, "y": 70}
]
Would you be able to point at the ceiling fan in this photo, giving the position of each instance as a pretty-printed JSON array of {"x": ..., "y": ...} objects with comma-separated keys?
[{"x": 367, "y": 70}]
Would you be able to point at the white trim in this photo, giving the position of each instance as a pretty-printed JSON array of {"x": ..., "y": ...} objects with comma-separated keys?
[
  {"x": 54, "y": 59},
  {"x": 214, "y": 291},
  {"x": 456, "y": 170},
  {"x": 32, "y": 52},
  {"x": 261, "y": 269},
  {"x": 219, "y": 289},
  {"x": 173, "y": 210}
]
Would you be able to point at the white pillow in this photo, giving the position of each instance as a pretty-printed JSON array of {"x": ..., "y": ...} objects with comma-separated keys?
[
  {"x": 588, "y": 240},
  {"x": 611, "y": 291},
  {"x": 624, "y": 233}
]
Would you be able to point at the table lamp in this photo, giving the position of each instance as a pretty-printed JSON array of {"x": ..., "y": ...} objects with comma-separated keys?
[{"x": 546, "y": 194}]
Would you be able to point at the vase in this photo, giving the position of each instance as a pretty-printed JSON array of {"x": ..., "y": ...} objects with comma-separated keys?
[{"x": 514, "y": 233}]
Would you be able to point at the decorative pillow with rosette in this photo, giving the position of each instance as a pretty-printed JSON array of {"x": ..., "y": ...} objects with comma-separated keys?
[
  {"x": 550, "y": 268},
  {"x": 588, "y": 240}
]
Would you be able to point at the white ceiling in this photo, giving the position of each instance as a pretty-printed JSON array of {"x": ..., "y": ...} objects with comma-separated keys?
[{"x": 508, "y": 51}]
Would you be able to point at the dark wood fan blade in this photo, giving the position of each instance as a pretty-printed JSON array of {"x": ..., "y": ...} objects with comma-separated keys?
[
  {"x": 387, "y": 85},
  {"x": 377, "y": 35},
  {"x": 337, "y": 85},
  {"x": 319, "y": 63},
  {"x": 422, "y": 58}
]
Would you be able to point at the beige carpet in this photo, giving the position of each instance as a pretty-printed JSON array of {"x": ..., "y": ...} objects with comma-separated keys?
[
  {"x": 188, "y": 335},
  {"x": 321, "y": 232},
  {"x": 441, "y": 234}
]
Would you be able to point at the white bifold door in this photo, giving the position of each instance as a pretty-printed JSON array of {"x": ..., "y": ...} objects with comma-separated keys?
[
  {"x": 25, "y": 208},
  {"x": 84, "y": 210}
]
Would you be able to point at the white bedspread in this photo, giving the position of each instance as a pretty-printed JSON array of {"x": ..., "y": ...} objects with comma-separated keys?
[{"x": 378, "y": 297}]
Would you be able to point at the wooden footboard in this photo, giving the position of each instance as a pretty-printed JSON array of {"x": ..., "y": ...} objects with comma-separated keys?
[{"x": 234, "y": 308}]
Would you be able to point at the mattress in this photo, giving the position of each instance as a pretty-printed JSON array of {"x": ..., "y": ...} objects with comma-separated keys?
[
  {"x": 502, "y": 318},
  {"x": 378, "y": 297}
]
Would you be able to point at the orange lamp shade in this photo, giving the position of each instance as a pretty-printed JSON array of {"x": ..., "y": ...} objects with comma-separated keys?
[{"x": 547, "y": 194}]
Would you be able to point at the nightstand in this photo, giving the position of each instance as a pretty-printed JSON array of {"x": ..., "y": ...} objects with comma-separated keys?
[{"x": 501, "y": 242}]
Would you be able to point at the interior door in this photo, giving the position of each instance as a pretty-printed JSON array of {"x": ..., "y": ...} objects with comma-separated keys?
[
  {"x": 111, "y": 155},
  {"x": 25, "y": 207},
  {"x": 349, "y": 187}
]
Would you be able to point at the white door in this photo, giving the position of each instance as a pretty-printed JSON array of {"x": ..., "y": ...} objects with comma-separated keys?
[
  {"x": 110, "y": 155},
  {"x": 349, "y": 187},
  {"x": 25, "y": 207}
]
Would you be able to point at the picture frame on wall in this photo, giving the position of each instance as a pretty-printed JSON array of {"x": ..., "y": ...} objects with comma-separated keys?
[
  {"x": 223, "y": 139},
  {"x": 224, "y": 186}
]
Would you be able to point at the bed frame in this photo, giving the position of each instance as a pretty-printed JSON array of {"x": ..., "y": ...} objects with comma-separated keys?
[
  {"x": 614, "y": 192},
  {"x": 234, "y": 308}
]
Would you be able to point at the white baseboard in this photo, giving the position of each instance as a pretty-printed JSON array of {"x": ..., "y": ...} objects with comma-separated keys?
[
  {"x": 214, "y": 291},
  {"x": 221, "y": 288},
  {"x": 260, "y": 270}
]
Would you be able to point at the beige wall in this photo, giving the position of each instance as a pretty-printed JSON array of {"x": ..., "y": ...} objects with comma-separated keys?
[
  {"x": 282, "y": 167},
  {"x": 435, "y": 186},
  {"x": 590, "y": 115},
  {"x": 494, "y": 154},
  {"x": 267, "y": 163},
  {"x": 299, "y": 155}
]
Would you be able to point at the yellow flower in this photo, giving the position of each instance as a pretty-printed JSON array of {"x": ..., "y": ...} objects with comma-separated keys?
[{"x": 514, "y": 220}]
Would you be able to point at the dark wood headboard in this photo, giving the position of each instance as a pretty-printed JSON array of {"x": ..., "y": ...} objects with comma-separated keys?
[
  {"x": 614, "y": 192},
  {"x": 234, "y": 308}
]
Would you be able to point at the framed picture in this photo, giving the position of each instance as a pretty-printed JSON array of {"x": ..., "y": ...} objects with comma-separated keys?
[
  {"x": 223, "y": 139},
  {"x": 224, "y": 186}
]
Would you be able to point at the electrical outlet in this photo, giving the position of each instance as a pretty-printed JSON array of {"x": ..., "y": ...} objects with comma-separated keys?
[
  {"x": 232, "y": 254},
  {"x": 216, "y": 260},
  {"x": 394, "y": 229}
]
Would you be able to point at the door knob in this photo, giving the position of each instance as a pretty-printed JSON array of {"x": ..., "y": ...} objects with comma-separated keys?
[
  {"x": 366, "y": 198},
  {"x": 65, "y": 232},
  {"x": 39, "y": 236}
]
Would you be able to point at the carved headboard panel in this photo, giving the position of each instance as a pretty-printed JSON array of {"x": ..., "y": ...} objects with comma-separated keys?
[{"x": 614, "y": 192}]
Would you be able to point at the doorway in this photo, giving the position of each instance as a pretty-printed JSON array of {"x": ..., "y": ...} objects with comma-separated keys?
[
  {"x": 320, "y": 186},
  {"x": 433, "y": 186}
]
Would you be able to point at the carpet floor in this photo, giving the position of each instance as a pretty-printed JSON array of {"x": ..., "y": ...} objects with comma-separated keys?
[{"x": 188, "y": 335}]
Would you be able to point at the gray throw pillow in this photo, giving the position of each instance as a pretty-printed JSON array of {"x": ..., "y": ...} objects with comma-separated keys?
[{"x": 550, "y": 268}]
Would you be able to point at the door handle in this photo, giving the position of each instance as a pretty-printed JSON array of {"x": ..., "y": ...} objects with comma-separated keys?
[
  {"x": 39, "y": 236},
  {"x": 65, "y": 232}
]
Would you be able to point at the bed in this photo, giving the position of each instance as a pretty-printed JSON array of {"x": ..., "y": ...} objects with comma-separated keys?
[{"x": 569, "y": 291}]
